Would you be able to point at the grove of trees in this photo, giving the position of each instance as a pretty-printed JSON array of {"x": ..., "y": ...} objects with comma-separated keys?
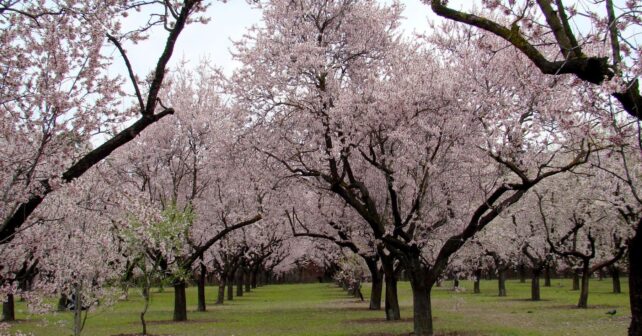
[{"x": 507, "y": 137}]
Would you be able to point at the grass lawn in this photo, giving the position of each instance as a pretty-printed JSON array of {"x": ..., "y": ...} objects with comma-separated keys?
[{"x": 324, "y": 309}]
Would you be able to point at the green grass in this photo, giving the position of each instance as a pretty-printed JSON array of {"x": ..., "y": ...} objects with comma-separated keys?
[{"x": 324, "y": 309}]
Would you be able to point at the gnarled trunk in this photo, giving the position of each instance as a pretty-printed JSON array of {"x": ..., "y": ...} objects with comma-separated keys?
[
  {"x": 9, "y": 309},
  {"x": 180, "y": 301}
]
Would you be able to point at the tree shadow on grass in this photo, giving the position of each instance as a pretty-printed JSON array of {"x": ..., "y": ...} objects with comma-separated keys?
[
  {"x": 527, "y": 300},
  {"x": 448, "y": 333},
  {"x": 162, "y": 322},
  {"x": 379, "y": 320}
]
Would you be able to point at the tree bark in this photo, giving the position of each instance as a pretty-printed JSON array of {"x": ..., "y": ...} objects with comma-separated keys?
[
  {"x": 615, "y": 276},
  {"x": 230, "y": 288},
  {"x": 201, "y": 289},
  {"x": 576, "y": 280},
  {"x": 501, "y": 282},
  {"x": 584, "y": 289},
  {"x": 377, "y": 284},
  {"x": 393, "y": 313},
  {"x": 375, "y": 293},
  {"x": 239, "y": 284},
  {"x": 635, "y": 281},
  {"x": 522, "y": 273},
  {"x": 9, "y": 309},
  {"x": 547, "y": 276},
  {"x": 478, "y": 274},
  {"x": 180, "y": 301},
  {"x": 77, "y": 310},
  {"x": 253, "y": 279},
  {"x": 247, "y": 281},
  {"x": 535, "y": 293},
  {"x": 422, "y": 311},
  {"x": 220, "y": 298}
]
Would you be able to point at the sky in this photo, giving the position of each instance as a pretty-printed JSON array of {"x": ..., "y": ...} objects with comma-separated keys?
[{"x": 229, "y": 21}]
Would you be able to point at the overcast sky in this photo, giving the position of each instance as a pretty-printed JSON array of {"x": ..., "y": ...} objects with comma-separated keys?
[{"x": 228, "y": 22}]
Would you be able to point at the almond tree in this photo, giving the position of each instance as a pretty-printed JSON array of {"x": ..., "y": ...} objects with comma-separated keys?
[
  {"x": 193, "y": 179},
  {"x": 501, "y": 243},
  {"x": 341, "y": 103},
  {"x": 70, "y": 251},
  {"x": 554, "y": 36},
  {"x": 319, "y": 215},
  {"x": 582, "y": 229},
  {"x": 225, "y": 257},
  {"x": 56, "y": 91}
]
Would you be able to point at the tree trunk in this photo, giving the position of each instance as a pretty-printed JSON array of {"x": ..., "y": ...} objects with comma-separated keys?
[
  {"x": 146, "y": 286},
  {"x": 62, "y": 302},
  {"x": 635, "y": 281},
  {"x": 375, "y": 293},
  {"x": 422, "y": 313},
  {"x": 230, "y": 287},
  {"x": 535, "y": 295},
  {"x": 78, "y": 323},
  {"x": 576, "y": 280},
  {"x": 615, "y": 276},
  {"x": 239, "y": 284},
  {"x": 253, "y": 278},
  {"x": 377, "y": 284},
  {"x": 584, "y": 291},
  {"x": 456, "y": 282},
  {"x": 501, "y": 282},
  {"x": 478, "y": 274},
  {"x": 180, "y": 301},
  {"x": 248, "y": 281},
  {"x": 393, "y": 313},
  {"x": 522, "y": 273},
  {"x": 220, "y": 298},
  {"x": 547, "y": 276},
  {"x": 9, "y": 309},
  {"x": 201, "y": 289}
]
